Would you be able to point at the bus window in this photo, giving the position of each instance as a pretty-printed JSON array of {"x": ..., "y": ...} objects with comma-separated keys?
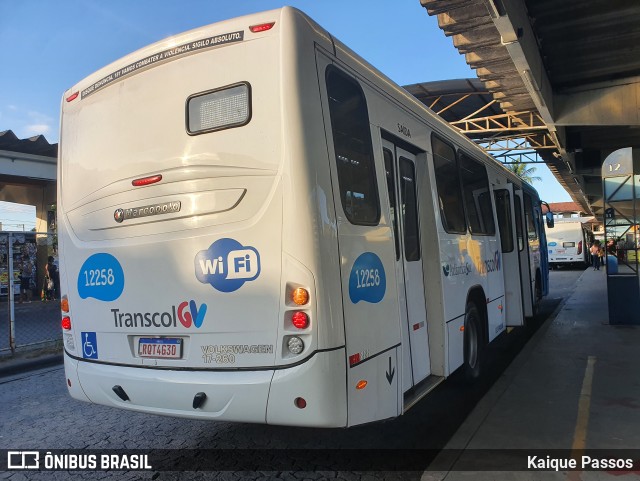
[
  {"x": 448, "y": 184},
  {"x": 475, "y": 186},
  {"x": 391, "y": 187},
  {"x": 532, "y": 231},
  {"x": 503, "y": 209},
  {"x": 409, "y": 209},
  {"x": 518, "y": 206},
  {"x": 354, "y": 152}
]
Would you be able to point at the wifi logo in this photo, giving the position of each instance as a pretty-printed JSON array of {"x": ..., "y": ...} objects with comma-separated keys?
[{"x": 227, "y": 265}]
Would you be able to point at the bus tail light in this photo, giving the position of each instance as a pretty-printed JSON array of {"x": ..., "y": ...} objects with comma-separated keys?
[
  {"x": 295, "y": 345},
  {"x": 263, "y": 27},
  {"x": 72, "y": 97},
  {"x": 579, "y": 247},
  {"x": 300, "y": 402},
  {"x": 64, "y": 304},
  {"x": 66, "y": 323},
  {"x": 300, "y": 296},
  {"x": 300, "y": 320},
  {"x": 152, "y": 179}
]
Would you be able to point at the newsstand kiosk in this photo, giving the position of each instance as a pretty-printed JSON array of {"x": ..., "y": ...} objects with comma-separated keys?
[{"x": 621, "y": 192}]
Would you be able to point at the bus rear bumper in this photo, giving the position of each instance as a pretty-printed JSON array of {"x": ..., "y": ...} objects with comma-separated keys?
[{"x": 264, "y": 396}]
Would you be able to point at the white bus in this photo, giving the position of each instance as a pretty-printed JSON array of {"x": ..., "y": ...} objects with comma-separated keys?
[
  {"x": 256, "y": 225},
  {"x": 569, "y": 243}
]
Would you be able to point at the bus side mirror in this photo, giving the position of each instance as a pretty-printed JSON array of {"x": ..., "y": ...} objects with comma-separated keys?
[{"x": 549, "y": 217}]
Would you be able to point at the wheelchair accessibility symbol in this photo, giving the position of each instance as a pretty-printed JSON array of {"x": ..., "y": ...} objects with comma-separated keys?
[{"x": 89, "y": 345}]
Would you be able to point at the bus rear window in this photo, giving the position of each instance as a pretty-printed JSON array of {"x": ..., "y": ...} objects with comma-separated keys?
[{"x": 219, "y": 109}]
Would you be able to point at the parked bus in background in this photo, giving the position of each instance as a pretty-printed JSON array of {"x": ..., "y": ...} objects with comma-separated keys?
[
  {"x": 569, "y": 242},
  {"x": 256, "y": 225}
]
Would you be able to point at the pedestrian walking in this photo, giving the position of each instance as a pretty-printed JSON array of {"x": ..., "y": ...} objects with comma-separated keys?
[{"x": 601, "y": 255}]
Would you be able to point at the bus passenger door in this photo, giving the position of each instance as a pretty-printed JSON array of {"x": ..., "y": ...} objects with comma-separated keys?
[
  {"x": 523, "y": 249},
  {"x": 505, "y": 210},
  {"x": 402, "y": 188}
]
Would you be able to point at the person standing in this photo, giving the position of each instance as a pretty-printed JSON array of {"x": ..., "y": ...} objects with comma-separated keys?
[
  {"x": 26, "y": 272},
  {"x": 51, "y": 271},
  {"x": 595, "y": 259}
]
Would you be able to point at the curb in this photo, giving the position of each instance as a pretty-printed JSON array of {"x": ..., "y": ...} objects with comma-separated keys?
[{"x": 12, "y": 367}]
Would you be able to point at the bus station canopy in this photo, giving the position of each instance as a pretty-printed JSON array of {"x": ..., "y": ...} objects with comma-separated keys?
[{"x": 563, "y": 76}]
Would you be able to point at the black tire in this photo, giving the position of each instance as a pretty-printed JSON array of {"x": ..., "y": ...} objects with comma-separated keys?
[{"x": 473, "y": 343}]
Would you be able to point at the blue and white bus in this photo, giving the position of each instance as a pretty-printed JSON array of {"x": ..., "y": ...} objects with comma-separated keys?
[{"x": 256, "y": 225}]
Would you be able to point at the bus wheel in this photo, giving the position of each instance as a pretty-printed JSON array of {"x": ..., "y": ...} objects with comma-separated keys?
[{"x": 473, "y": 344}]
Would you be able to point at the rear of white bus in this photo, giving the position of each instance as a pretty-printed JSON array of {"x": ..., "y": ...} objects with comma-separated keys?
[
  {"x": 567, "y": 245},
  {"x": 178, "y": 297}
]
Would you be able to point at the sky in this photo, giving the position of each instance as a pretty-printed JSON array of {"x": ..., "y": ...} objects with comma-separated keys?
[
  {"x": 49, "y": 45},
  {"x": 17, "y": 217}
]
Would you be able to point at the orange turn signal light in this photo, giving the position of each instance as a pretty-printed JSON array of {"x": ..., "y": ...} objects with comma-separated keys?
[
  {"x": 300, "y": 296},
  {"x": 361, "y": 384},
  {"x": 64, "y": 304}
]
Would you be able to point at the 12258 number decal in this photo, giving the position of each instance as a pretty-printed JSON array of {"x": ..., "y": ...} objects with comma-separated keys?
[
  {"x": 99, "y": 277},
  {"x": 367, "y": 278}
]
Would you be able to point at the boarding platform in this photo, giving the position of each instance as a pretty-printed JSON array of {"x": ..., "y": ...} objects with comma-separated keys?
[{"x": 574, "y": 387}]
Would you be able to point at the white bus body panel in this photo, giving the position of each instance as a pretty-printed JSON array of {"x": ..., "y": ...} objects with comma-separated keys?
[
  {"x": 244, "y": 396},
  {"x": 169, "y": 269},
  {"x": 470, "y": 262},
  {"x": 372, "y": 328}
]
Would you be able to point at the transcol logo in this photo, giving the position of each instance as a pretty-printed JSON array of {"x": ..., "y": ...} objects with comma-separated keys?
[
  {"x": 187, "y": 313},
  {"x": 227, "y": 265},
  {"x": 490, "y": 265}
]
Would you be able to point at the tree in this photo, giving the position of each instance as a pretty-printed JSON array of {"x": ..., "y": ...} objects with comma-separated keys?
[{"x": 520, "y": 169}]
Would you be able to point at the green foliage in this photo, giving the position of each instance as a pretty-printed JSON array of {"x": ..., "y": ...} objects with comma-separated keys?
[{"x": 521, "y": 170}]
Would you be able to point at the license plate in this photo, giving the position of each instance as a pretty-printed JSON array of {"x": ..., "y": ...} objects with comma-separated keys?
[{"x": 160, "y": 347}]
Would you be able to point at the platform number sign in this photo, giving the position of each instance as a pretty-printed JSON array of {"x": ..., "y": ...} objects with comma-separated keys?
[
  {"x": 618, "y": 163},
  {"x": 615, "y": 167}
]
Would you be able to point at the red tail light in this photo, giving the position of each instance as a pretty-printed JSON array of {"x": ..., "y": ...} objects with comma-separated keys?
[
  {"x": 72, "y": 97},
  {"x": 579, "y": 247},
  {"x": 300, "y": 320},
  {"x": 146, "y": 180},
  {"x": 263, "y": 27},
  {"x": 66, "y": 323}
]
